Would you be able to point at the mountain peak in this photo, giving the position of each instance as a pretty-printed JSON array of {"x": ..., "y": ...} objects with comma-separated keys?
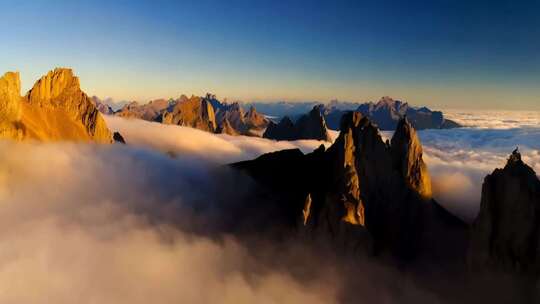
[
  {"x": 505, "y": 232},
  {"x": 407, "y": 155},
  {"x": 52, "y": 85}
]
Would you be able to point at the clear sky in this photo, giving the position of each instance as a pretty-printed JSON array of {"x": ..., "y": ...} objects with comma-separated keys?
[{"x": 445, "y": 54}]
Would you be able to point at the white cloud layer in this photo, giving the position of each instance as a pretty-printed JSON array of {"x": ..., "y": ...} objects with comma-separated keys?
[
  {"x": 220, "y": 148},
  {"x": 115, "y": 224},
  {"x": 82, "y": 224},
  {"x": 459, "y": 159}
]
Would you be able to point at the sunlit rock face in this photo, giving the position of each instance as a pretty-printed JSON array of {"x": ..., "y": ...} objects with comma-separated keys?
[
  {"x": 506, "y": 233},
  {"x": 54, "y": 109},
  {"x": 196, "y": 112},
  {"x": 10, "y": 105},
  {"x": 361, "y": 192},
  {"x": 309, "y": 126},
  {"x": 407, "y": 157}
]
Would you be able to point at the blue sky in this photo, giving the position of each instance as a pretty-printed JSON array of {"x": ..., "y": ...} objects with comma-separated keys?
[{"x": 445, "y": 54}]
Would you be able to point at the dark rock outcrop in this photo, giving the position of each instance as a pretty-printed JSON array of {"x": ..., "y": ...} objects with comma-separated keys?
[
  {"x": 119, "y": 138},
  {"x": 506, "y": 233},
  {"x": 309, "y": 126},
  {"x": 361, "y": 192}
]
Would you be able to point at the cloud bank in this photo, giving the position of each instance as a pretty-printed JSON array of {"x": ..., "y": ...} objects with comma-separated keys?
[
  {"x": 459, "y": 159},
  {"x": 82, "y": 223},
  {"x": 221, "y": 148},
  {"x": 91, "y": 224}
]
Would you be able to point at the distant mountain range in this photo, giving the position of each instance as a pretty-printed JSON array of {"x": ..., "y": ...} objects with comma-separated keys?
[
  {"x": 204, "y": 113},
  {"x": 385, "y": 113},
  {"x": 296, "y": 120}
]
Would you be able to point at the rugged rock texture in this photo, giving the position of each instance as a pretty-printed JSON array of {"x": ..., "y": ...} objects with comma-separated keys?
[
  {"x": 10, "y": 105},
  {"x": 196, "y": 112},
  {"x": 149, "y": 111},
  {"x": 255, "y": 120},
  {"x": 506, "y": 233},
  {"x": 309, "y": 126},
  {"x": 407, "y": 157},
  {"x": 57, "y": 94},
  {"x": 54, "y": 109},
  {"x": 225, "y": 127},
  {"x": 232, "y": 120},
  {"x": 361, "y": 192}
]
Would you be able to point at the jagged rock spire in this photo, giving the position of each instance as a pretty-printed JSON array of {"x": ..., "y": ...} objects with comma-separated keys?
[
  {"x": 506, "y": 232},
  {"x": 407, "y": 157}
]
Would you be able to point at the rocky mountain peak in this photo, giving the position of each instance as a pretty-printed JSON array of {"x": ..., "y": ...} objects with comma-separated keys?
[
  {"x": 309, "y": 126},
  {"x": 506, "y": 232},
  {"x": 197, "y": 112},
  {"x": 362, "y": 191},
  {"x": 54, "y": 109},
  {"x": 407, "y": 157},
  {"x": 51, "y": 86}
]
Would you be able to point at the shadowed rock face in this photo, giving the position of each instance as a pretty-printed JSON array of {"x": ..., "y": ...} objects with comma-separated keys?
[
  {"x": 506, "y": 232},
  {"x": 196, "y": 112},
  {"x": 309, "y": 126},
  {"x": 361, "y": 192},
  {"x": 230, "y": 119},
  {"x": 54, "y": 109}
]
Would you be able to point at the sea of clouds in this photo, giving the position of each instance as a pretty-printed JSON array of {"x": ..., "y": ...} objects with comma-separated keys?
[
  {"x": 458, "y": 159},
  {"x": 84, "y": 223}
]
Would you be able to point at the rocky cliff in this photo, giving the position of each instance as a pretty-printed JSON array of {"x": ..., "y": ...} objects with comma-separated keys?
[
  {"x": 309, "y": 126},
  {"x": 233, "y": 120},
  {"x": 361, "y": 192},
  {"x": 196, "y": 112},
  {"x": 10, "y": 105},
  {"x": 506, "y": 233},
  {"x": 54, "y": 109}
]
